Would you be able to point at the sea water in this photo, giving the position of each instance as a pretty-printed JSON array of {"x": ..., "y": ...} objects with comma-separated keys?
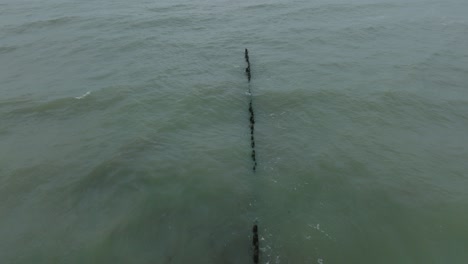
[{"x": 124, "y": 131}]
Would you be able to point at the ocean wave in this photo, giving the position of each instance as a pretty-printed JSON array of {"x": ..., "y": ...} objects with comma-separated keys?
[
  {"x": 265, "y": 6},
  {"x": 7, "y": 49},
  {"x": 128, "y": 168},
  {"x": 63, "y": 107},
  {"x": 83, "y": 96},
  {"x": 40, "y": 24},
  {"x": 171, "y": 8},
  {"x": 329, "y": 9}
]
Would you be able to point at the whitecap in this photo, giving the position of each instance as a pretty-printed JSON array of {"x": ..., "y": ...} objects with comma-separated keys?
[{"x": 83, "y": 96}]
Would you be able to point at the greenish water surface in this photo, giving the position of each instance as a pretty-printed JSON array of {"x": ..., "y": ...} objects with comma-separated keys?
[{"x": 124, "y": 133}]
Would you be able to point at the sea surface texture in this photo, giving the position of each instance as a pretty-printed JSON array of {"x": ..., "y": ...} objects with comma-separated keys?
[{"x": 124, "y": 131}]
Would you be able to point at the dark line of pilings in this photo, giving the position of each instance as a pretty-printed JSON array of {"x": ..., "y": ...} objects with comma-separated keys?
[{"x": 255, "y": 241}]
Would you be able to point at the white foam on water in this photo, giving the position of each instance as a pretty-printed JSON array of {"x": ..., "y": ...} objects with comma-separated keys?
[
  {"x": 83, "y": 96},
  {"x": 317, "y": 227}
]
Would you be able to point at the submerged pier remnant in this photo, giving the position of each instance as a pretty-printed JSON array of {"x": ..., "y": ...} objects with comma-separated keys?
[
  {"x": 251, "y": 111},
  {"x": 255, "y": 241}
]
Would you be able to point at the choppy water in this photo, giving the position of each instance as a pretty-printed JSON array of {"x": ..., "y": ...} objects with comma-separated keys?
[{"x": 124, "y": 131}]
